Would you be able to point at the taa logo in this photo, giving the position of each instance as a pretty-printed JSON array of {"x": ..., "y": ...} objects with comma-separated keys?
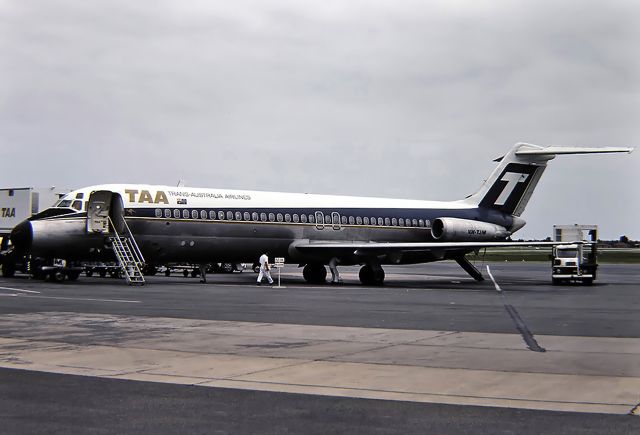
[
  {"x": 8, "y": 212},
  {"x": 512, "y": 179},
  {"x": 143, "y": 196}
]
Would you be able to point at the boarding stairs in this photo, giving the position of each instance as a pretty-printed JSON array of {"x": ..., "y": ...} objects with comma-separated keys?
[{"x": 128, "y": 254}]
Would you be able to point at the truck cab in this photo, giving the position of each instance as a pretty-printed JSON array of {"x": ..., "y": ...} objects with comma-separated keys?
[{"x": 574, "y": 263}]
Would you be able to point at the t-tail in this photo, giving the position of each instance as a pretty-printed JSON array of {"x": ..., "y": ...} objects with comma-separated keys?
[{"x": 510, "y": 186}]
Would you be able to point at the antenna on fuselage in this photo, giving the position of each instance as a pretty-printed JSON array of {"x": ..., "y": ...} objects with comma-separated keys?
[{"x": 180, "y": 183}]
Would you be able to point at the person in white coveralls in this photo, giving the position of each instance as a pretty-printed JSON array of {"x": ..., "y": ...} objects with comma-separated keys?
[{"x": 264, "y": 269}]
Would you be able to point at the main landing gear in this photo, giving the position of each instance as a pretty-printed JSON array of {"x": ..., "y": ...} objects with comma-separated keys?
[
  {"x": 371, "y": 274},
  {"x": 314, "y": 273}
]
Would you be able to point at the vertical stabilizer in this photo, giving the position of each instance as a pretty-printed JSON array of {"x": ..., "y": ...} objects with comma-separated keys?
[{"x": 510, "y": 186}]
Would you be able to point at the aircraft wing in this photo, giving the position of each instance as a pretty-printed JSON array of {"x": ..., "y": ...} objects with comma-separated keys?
[{"x": 364, "y": 248}]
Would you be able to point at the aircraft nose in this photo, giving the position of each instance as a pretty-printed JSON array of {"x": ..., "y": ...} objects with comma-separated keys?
[{"x": 22, "y": 236}]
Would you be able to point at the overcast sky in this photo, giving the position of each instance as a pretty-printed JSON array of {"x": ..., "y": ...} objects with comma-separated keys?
[{"x": 409, "y": 99}]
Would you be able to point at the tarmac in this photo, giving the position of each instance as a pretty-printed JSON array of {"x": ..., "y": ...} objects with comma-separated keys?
[{"x": 431, "y": 350}]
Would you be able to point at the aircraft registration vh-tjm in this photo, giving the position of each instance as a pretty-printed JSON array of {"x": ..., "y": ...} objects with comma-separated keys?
[{"x": 202, "y": 226}]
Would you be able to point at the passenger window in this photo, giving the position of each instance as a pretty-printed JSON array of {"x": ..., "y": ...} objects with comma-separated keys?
[
  {"x": 272, "y": 217},
  {"x": 238, "y": 216},
  {"x": 296, "y": 218},
  {"x": 279, "y": 216},
  {"x": 158, "y": 212},
  {"x": 247, "y": 216},
  {"x": 352, "y": 220},
  {"x": 176, "y": 213},
  {"x": 359, "y": 220},
  {"x": 263, "y": 217},
  {"x": 387, "y": 221},
  {"x": 167, "y": 213},
  {"x": 194, "y": 214},
  {"x": 414, "y": 222},
  {"x": 303, "y": 218},
  {"x": 380, "y": 221},
  {"x": 212, "y": 215},
  {"x": 221, "y": 215},
  {"x": 344, "y": 220},
  {"x": 421, "y": 222},
  {"x": 287, "y": 217},
  {"x": 366, "y": 220},
  {"x": 229, "y": 215},
  {"x": 394, "y": 222},
  {"x": 254, "y": 216},
  {"x": 203, "y": 214},
  {"x": 185, "y": 214},
  {"x": 327, "y": 219},
  {"x": 312, "y": 219},
  {"x": 401, "y": 222}
]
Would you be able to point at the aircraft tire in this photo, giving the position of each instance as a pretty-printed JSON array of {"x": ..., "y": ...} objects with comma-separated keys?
[
  {"x": 167, "y": 272},
  {"x": 315, "y": 273},
  {"x": 371, "y": 276},
  {"x": 57, "y": 276}
]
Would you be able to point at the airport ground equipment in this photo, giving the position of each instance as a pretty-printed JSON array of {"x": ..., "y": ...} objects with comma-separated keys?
[
  {"x": 128, "y": 254},
  {"x": 20, "y": 203},
  {"x": 575, "y": 262}
]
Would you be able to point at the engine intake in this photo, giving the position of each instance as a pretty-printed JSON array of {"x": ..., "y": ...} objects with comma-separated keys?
[{"x": 465, "y": 230}]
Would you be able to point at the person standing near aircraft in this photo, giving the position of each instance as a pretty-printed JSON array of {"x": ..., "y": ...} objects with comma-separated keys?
[{"x": 264, "y": 269}]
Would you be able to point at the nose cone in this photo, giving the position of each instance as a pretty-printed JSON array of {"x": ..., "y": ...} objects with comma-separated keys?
[{"x": 22, "y": 237}]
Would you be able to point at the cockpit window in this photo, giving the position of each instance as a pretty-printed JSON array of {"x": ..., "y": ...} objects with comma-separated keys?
[
  {"x": 64, "y": 203},
  {"x": 77, "y": 205}
]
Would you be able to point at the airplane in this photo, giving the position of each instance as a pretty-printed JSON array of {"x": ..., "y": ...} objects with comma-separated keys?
[{"x": 199, "y": 226}]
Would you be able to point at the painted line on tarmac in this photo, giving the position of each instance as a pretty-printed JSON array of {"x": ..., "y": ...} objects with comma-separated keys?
[
  {"x": 122, "y": 301},
  {"x": 493, "y": 279},
  {"x": 520, "y": 324},
  {"x": 19, "y": 290}
]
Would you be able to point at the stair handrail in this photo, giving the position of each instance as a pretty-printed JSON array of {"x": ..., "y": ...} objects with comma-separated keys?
[{"x": 136, "y": 250}]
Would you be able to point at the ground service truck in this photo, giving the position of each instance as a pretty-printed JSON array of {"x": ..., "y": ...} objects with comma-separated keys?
[
  {"x": 575, "y": 262},
  {"x": 16, "y": 205}
]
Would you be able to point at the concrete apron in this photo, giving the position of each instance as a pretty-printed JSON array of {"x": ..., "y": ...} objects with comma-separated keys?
[{"x": 584, "y": 374}]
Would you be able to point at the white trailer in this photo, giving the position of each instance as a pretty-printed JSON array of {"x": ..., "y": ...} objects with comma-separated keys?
[
  {"x": 16, "y": 205},
  {"x": 20, "y": 203}
]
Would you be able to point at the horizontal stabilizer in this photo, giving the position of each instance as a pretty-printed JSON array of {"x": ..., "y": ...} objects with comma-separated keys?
[{"x": 552, "y": 150}]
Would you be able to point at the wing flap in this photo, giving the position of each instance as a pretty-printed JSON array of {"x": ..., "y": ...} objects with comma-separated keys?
[{"x": 364, "y": 247}]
